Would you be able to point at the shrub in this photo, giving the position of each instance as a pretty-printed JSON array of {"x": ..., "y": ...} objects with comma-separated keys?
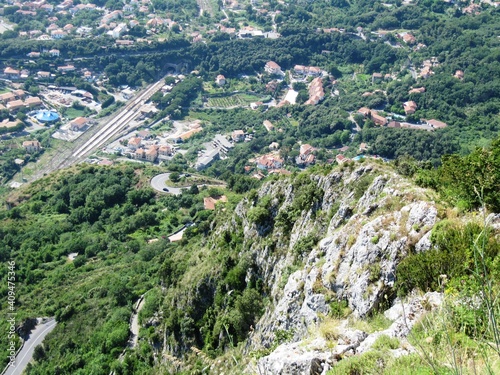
[
  {"x": 386, "y": 342},
  {"x": 175, "y": 177},
  {"x": 339, "y": 309},
  {"x": 451, "y": 256},
  {"x": 259, "y": 215},
  {"x": 362, "y": 185},
  {"x": 351, "y": 240},
  {"x": 329, "y": 329},
  {"x": 305, "y": 245},
  {"x": 107, "y": 101},
  {"x": 367, "y": 363},
  {"x": 375, "y": 272}
]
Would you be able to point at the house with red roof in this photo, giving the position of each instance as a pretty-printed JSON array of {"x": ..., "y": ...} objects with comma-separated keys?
[
  {"x": 410, "y": 107},
  {"x": 272, "y": 68}
]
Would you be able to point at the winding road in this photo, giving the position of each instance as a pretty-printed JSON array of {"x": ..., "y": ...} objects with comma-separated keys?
[
  {"x": 159, "y": 183},
  {"x": 26, "y": 353}
]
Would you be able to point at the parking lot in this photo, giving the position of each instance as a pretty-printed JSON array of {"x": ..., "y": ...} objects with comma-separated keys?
[{"x": 60, "y": 98}]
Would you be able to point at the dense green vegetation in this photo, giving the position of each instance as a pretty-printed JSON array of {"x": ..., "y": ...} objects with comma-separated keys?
[
  {"x": 468, "y": 182},
  {"x": 203, "y": 291},
  {"x": 106, "y": 217},
  {"x": 208, "y": 293},
  {"x": 177, "y": 102}
]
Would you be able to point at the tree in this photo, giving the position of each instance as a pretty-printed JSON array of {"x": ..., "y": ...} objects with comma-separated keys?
[
  {"x": 302, "y": 96},
  {"x": 175, "y": 177},
  {"x": 21, "y": 116},
  {"x": 176, "y": 28},
  {"x": 297, "y": 86},
  {"x": 39, "y": 353},
  {"x": 169, "y": 80}
]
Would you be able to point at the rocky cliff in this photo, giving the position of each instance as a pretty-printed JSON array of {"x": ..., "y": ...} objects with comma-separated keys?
[
  {"x": 352, "y": 229},
  {"x": 319, "y": 242}
]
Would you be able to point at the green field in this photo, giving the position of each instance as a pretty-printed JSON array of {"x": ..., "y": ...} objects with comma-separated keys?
[
  {"x": 363, "y": 77},
  {"x": 72, "y": 113}
]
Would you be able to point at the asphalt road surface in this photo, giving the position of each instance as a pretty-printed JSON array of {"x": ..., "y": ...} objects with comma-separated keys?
[
  {"x": 134, "y": 325},
  {"x": 159, "y": 183},
  {"x": 26, "y": 354}
]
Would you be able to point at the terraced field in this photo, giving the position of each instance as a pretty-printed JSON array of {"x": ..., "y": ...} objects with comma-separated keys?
[
  {"x": 241, "y": 99},
  {"x": 226, "y": 102}
]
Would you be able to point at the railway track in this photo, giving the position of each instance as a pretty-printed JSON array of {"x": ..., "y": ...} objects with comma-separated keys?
[
  {"x": 97, "y": 137},
  {"x": 118, "y": 123}
]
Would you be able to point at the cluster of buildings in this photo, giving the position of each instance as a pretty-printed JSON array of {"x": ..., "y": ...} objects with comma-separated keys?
[
  {"x": 143, "y": 147},
  {"x": 373, "y": 115},
  {"x": 218, "y": 149},
  {"x": 410, "y": 108},
  {"x": 49, "y": 53},
  {"x": 379, "y": 77},
  {"x": 17, "y": 99},
  {"x": 15, "y": 74},
  {"x": 108, "y": 22},
  {"x": 307, "y": 70},
  {"x": 156, "y": 22},
  {"x": 269, "y": 161},
  {"x": 341, "y": 159},
  {"x": 12, "y": 74},
  {"x": 306, "y": 157},
  {"x": 316, "y": 91},
  {"x": 426, "y": 70},
  {"x": 53, "y": 31}
]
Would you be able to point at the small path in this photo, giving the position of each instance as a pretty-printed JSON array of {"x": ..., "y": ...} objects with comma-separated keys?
[
  {"x": 134, "y": 329},
  {"x": 134, "y": 324},
  {"x": 177, "y": 236},
  {"x": 72, "y": 256}
]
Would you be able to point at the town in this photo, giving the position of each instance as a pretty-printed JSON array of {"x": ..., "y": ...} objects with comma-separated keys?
[
  {"x": 250, "y": 187},
  {"x": 54, "y": 92}
]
